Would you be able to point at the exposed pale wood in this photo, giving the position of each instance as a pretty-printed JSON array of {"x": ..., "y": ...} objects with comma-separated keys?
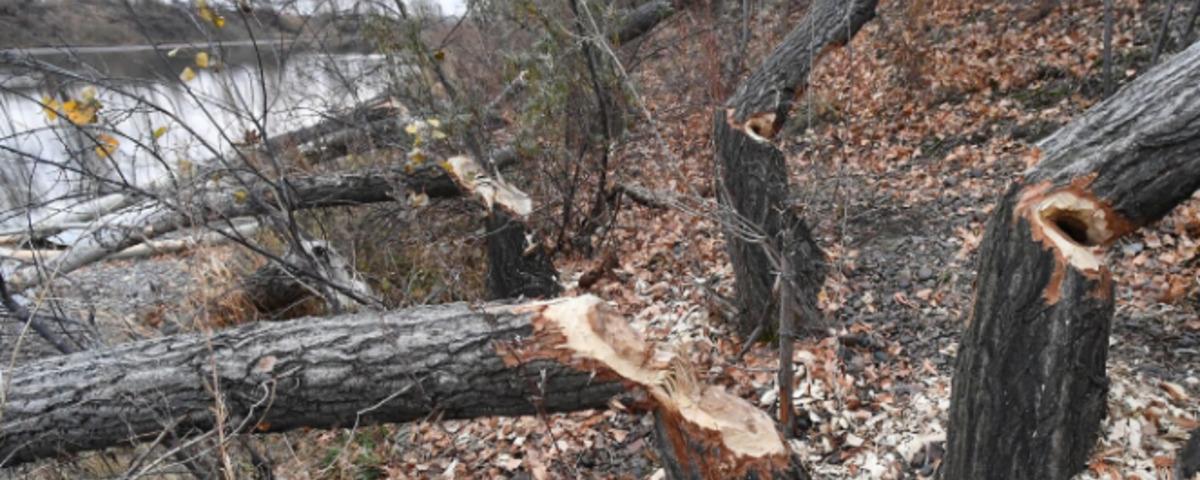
[
  {"x": 518, "y": 263},
  {"x": 1030, "y": 386},
  {"x": 452, "y": 361},
  {"x": 754, "y": 172}
]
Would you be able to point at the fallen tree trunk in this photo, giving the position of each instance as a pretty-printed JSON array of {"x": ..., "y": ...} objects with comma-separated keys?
[
  {"x": 250, "y": 198},
  {"x": 644, "y": 18},
  {"x": 453, "y": 361},
  {"x": 1030, "y": 386},
  {"x": 753, "y": 170},
  {"x": 146, "y": 249}
]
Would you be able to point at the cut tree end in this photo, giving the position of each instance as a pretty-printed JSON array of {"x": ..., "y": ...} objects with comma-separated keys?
[
  {"x": 1073, "y": 222},
  {"x": 471, "y": 177},
  {"x": 760, "y": 126},
  {"x": 709, "y": 428},
  {"x": 1077, "y": 227}
]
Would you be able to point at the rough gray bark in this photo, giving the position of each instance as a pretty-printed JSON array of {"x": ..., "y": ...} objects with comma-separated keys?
[
  {"x": 251, "y": 197},
  {"x": 278, "y": 290},
  {"x": 754, "y": 171},
  {"x": 644, "y": 18},
  {"x": 322, "y": 373},
  {"x": 453, "y": 361},
  {"x": 1187, "y": 461},
  {"x": 517, "y": 267},
  {"x": 1029, "y": 387}
]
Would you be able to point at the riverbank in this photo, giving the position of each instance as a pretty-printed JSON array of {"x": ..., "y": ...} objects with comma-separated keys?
[{"x": 54, "y": 23}]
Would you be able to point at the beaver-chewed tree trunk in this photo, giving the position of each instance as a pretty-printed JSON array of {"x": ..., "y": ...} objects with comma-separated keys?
[
  {"x": 449, "y": 361},
  {"x": 518, "y": 263},
  {"x": 1030, "y": 385},
  {"x": 754, "y": 171}
]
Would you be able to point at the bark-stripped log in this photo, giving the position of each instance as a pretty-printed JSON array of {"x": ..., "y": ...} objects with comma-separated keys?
[
  {"x": 452, "y": 361},
  {"x": 1030, "y": 385},
  {"x": 754, "y": 171}
]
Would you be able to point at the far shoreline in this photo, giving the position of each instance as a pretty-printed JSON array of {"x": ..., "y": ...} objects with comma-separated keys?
[{"x": 119, "y": 48}]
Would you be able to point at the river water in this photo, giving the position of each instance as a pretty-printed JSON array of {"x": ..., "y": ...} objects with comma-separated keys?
[{"x": 142, "y": 93}]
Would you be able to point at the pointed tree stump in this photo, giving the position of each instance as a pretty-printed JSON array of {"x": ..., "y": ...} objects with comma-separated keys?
[
  {"x": 1030, "y": 386},
  {"x": 754, "y": 172}
]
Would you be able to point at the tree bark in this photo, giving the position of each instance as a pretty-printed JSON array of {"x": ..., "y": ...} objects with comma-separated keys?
[
  {"x": 1029, "y": 387},
  {"x": 517, "y": 267},
  {"x": 453, "y": 361},
  {"x": 754, "y": 171},
  {"x": 518, "y": 262},
  {"x": 251, "y": 197},
  {"x": 279, "y": 290},
  {"x": 644, "y": 18}
]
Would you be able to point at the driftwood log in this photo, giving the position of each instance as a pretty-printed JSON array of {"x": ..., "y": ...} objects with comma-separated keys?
[
  {"x": 753, "y": 171},
  {"x": 1030, "y": 386},
  {"x": 455, "y": 361}
]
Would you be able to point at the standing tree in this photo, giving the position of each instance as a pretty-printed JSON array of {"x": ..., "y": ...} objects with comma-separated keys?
[{"x": 1030, "y": 385}]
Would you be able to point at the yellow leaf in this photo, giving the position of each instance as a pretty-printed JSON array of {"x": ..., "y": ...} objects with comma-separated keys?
[
  {"x": 219, "y": 22},
  {"x": 50, "y": 106},
  {"x": 439, "y": 135},
  {"x": 416, "y": 157},
  {"x": 88, "y": 94},
  {"x": 435, "y": 122},
  {"x": 80, "y": 114},
  {"x": 202, "y": 59},
  {"x": 202, "y": 4},
  {"x": 83, "y": 116},
  {"x": 188, "y": 74},
  {"x": 412, "y": 128},
  {"x": 240, "y": 196},
  {"x": 205, "y": 13},
  {"x": 159, "y": 132},
  {"x": 106, "y": 145}
]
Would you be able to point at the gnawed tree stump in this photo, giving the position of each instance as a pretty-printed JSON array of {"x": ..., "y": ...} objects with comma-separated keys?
[
  {"x": 754, "y": 172},
  {"x": 518, "y": 263},
  {"x": 455, "y": 361},
  {"x": 1030, "y": 386}
]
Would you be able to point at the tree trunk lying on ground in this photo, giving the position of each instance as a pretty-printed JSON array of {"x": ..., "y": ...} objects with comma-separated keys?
[
  {"x": 1030, "y": 386},
  {"x": 218, "y": 234},
  {"x": 644, "y": 18},
  {"x": 753, "y": 171},
  {"x": 449, "y": 361},
  {"x": 153, "y": 219}
]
